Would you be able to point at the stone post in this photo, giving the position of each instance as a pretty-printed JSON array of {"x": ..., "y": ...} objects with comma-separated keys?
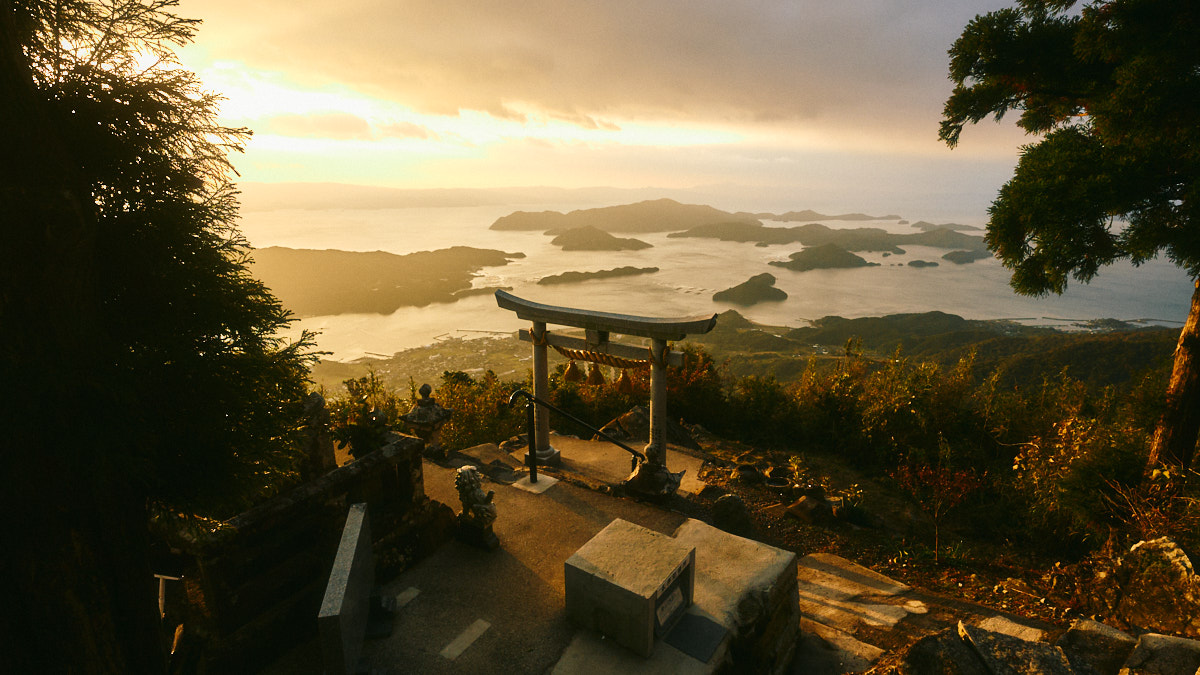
[
  {"x": 541, "y": 389},
  {"x": 656, "y": 451},
  {"x": 426, "y": 418},
  {"x": 319, "y": 455},
  {"x": 651, "y": 477}
]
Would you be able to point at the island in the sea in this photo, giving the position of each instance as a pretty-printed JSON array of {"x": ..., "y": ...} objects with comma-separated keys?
[
  {"x": 756, "y": 289},
  {"x": 657, "y": 215},
  {"x": 958, "y": 227},
  {"x": 816, "y": 234},
  {"x": 828, "y": 256},
  {"x": 575, "y": 277},
  {"x": 319, "y": 282},
  {"x": 588, "y": 238},
  {"x": 964, "y": 257}
]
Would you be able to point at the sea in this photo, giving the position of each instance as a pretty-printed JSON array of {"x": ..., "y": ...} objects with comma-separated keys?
[{"x": 690, "y": 272}]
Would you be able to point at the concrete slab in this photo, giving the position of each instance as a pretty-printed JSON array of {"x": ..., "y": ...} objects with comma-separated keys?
[
  {"x": 590, "y": 653},
  {"x": 845, "y": 577},
  {"x": 543, "y": 483},
  {"x": 517, "y": 590},
  {"x": 845, "y": 596},
  {"x": 1006, "y": 626},
  {"x": 497, "y": 464},
  {"x": 849, "y": 655},
  {"x": 733, "y": 574}
]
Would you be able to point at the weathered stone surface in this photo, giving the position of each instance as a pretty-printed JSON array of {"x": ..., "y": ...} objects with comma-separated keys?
[
  {"x": 614, "y": 582},
  {"x": 731, "y": 514},
  {"x": 942, "y": 653},
  {"x": 1005, "y": 625},
  {"x": 847, "y": 652},
  {"x": 494, "y": 462},
  {"x": 750, "y": 588},
  {"x": 1093, "y": 647},
  {"x": 847, "y": 597},
  {"x": 342, "y": 622},
  {"x": 1159, "y": 589},
  {"x": 1157, "y": 654},
  {"x": 1008, "y": 655}
]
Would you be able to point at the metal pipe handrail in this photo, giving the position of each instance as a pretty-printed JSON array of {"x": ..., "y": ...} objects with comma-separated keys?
[{"x": 532, "y": 400}]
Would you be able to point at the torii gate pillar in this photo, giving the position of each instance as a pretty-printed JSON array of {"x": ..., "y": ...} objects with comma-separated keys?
[{"x": 546, "y": 453}]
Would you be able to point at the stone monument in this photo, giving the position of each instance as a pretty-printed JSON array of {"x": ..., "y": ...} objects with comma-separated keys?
[
  {"x": 426, "y": 418},
  {"x": 630, "y": 584}
]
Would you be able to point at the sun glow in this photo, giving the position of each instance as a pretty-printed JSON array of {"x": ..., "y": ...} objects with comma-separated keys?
[{"x": 273, "y": 106}]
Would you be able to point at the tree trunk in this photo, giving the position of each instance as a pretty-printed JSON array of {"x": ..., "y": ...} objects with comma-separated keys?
[{"x": 1175, "y": 436}]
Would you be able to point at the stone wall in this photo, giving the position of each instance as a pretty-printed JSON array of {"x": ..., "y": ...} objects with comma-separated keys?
[{"x": 255, "y": 588}]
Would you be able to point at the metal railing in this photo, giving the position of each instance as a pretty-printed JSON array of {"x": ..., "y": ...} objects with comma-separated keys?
[{"x": 531, "y": 431}]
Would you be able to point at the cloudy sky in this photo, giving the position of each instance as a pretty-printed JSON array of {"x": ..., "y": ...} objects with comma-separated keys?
[{"x": 837, "y": 103}]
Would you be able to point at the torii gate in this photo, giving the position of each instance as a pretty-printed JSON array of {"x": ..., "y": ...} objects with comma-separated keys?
[{"x": 651, "y": 476}]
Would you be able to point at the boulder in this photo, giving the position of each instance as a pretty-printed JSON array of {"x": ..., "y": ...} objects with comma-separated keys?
[
  {"x": 1005, "y": 654},
  {"x": 1093, "y": 647},
  {"x": 731, "y": 514},
  {"x": 1159, "y": 589},
  {"x": 942, "y": 653},
  {"x": 1163, "y": 655}
]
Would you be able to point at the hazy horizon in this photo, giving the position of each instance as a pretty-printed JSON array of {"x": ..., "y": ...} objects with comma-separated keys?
[{"x": 829, "y": 106}]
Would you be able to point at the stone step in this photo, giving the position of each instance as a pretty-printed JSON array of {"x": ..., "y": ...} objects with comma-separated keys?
[{"x": 852, "y": 616}]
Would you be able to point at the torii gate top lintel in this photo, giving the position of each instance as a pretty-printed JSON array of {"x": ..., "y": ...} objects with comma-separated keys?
[{"x": 656, "y": 328}]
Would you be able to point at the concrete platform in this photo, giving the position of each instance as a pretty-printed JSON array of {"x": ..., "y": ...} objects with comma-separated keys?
[
  {"x": 465, "y": 610},
  {"x": 604, "y": 462}
]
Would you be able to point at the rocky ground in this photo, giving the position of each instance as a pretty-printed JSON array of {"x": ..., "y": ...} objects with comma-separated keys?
[{"x": 891, "y": 534}]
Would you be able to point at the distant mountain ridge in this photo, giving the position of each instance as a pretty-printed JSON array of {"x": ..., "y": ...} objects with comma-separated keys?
[
  {"x": 816, "y": 234},
  {"x": 320, "y": 282},
  {"x": 808, "y": 216},
  {"x": 657, "y": 215}
]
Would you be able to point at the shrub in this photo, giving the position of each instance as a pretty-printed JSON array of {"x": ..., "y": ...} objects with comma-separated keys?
[
  {"x": 481, "y": 410},
  {"x": 364, "y": 416},
  {"x": 1070, "y": 476},
  {"x": 936, "y": 489}
]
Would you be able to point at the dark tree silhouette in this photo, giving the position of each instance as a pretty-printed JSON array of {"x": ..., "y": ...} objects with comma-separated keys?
[
  {"x": 1114, "y": 89},
  {"x": 139, "y": 358}
]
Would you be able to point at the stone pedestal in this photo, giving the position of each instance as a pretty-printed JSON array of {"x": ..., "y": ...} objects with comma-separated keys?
[{"x": 630, "y": 584}]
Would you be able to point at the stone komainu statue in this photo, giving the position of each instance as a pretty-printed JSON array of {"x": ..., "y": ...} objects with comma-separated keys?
[{"x": 477, "y": 508}]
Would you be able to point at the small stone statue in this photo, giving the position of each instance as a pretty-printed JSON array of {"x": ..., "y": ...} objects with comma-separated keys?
[
  {"x": 426, "y": 418},
  {"x": 478, "y": 511}
]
